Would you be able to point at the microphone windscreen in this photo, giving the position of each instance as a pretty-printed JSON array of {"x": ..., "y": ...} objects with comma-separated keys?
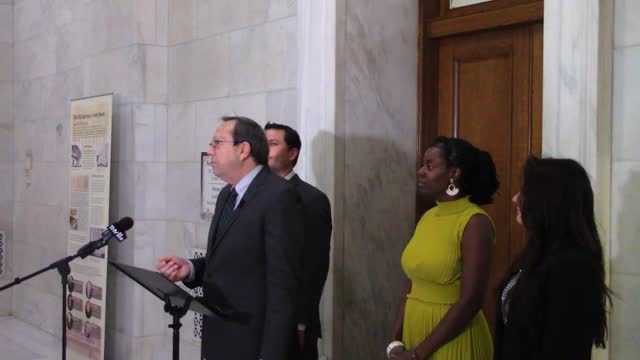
[{"x": 124, "y": 224}]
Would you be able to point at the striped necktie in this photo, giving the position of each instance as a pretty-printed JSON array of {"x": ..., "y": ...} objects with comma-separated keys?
[{"x": 227, "y": 212}]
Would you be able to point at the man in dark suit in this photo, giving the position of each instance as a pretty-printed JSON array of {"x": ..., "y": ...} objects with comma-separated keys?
[
  {"x": 284, "y": 148},
  {"x": 252, "y": 252}
]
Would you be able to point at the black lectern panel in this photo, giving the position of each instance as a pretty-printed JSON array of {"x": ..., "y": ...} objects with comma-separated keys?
[{"x": 164, "y": 290}]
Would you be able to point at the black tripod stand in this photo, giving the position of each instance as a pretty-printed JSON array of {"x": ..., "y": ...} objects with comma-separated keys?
[
  {"x": 176, "y": 312},
  {"x": 64, "y": 270},
  {"x": 62, "y": 266}
]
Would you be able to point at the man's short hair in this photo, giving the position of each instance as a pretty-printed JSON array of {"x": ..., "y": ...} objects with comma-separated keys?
[
  {"x": 291, "y": 137},
  {"x": 247, "y": 130}
]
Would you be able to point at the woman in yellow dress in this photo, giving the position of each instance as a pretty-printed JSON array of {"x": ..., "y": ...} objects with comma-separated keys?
[{"x": 448, "y": 260}]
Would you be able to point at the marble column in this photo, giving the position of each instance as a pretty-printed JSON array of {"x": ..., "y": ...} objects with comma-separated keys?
[
  {"x": 357, "y": 110},
  {"x": 316, "y": 93},
  {"x": 377, "y": 125},
  {"x": 625, "y": 182},
  {"x": 577, "y": 77}
]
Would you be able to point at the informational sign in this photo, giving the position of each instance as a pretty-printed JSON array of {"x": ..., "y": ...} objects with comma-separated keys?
[
  {"x": 89, "y": 179},
  {"x": 210, "y": 187}
]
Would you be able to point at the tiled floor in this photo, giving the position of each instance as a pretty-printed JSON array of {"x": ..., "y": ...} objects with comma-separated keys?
[{"x": 21, "y": 341}]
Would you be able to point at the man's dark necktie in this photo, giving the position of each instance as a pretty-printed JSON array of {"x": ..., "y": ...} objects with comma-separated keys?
[{"x": 227, "y": 212}]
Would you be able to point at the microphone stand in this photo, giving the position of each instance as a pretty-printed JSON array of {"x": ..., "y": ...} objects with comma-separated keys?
[{"x": 64, "y": 270}]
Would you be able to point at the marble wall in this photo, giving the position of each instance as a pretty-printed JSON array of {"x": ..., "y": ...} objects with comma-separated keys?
[
  {"x": 6, "y": 144},
  {"x": 625, "y": 182},
  {"x": 376, "y": 109},
  {"x": 66, "y": 50},
  {"x": 174, "y": 68},
  {"x": 344, "y": 73}
]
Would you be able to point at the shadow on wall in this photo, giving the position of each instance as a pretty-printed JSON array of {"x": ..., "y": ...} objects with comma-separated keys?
[
  {"x": 325, "y": 169},
  {"x": 122, "y": 182},
  {"x": 118, "y": 342},
  {"x": 374, "y": 206}
]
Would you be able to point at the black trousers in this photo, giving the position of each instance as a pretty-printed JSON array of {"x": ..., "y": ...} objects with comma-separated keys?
[{"x": 310, "y": 349}]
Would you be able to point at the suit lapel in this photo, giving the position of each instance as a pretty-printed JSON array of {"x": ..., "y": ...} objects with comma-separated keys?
[
  {"x": 295, "y": 180},
  {"x": 257, "y": 182}
]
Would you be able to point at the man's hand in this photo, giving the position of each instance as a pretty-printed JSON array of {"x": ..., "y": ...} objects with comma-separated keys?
[{"x": 173, "y": 268}]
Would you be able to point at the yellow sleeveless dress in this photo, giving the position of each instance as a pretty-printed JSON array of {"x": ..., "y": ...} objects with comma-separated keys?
[{"x": 433, "y": 262}]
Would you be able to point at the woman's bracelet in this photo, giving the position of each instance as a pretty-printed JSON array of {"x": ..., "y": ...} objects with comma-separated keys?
[{"x": 392, "y": 345}]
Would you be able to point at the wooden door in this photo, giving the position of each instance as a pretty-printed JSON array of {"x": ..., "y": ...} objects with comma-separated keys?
[{"x": 489, "y": 94}]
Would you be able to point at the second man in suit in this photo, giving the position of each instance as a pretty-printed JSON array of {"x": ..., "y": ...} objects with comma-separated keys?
[{"x": 284, "y": 148}]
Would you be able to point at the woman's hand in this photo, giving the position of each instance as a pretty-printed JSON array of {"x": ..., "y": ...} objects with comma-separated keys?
[{"x": 400, "y": 353}]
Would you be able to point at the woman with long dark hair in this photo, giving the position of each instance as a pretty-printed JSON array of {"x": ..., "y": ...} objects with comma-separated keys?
[
  {"x": 552, "y": 303},
  {"x": 448, "y": 260}
]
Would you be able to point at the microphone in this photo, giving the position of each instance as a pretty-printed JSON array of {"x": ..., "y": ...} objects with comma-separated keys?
[{"x": 115, "y": 230}]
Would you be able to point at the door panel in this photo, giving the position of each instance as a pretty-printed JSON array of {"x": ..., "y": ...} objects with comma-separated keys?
[{"x": 487, "y": 94}]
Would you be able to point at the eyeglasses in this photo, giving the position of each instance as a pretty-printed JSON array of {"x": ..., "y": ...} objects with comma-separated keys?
[{"x": 216, "y": 143}]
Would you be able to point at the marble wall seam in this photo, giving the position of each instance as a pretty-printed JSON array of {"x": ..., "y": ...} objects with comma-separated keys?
[
  {"x": 271, "y": 93},
  {"x": 7, "y": 132},
  {"x": 193, "y": 21}
]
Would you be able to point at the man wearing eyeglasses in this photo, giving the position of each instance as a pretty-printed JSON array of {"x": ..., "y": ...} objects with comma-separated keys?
[{"x": 252, "y": 252}]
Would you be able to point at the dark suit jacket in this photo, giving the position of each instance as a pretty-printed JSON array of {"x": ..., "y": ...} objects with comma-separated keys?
[
  {"x": 315, "y": 253},
  {"x": 253, "y": 267},
  {"x": 568, "y": 300}
]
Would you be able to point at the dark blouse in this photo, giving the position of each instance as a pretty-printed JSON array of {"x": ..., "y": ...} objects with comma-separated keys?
[{"x": 568, "y": 299}]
